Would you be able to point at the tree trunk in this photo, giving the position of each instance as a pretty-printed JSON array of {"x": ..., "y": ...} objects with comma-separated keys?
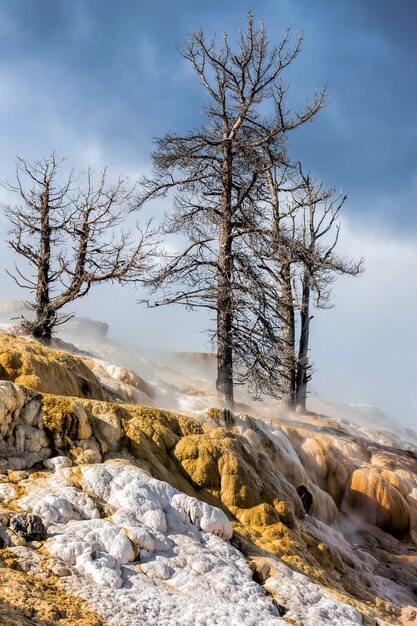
[
  {"x": 44, "y": 314},
  {"x": 43, "y": 325},
  {"x": 302, "y": 365},
  {"x": 286, "y": 306},
  {"x": 287, "y": 314},
  {"x": 224, "y": 383}
]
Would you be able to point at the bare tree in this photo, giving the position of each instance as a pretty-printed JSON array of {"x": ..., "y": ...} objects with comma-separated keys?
[
  {"x": 214, "y": 171},
  {"x": 319, "y": 264},
  {"x": 70, "y": 232},
  {"x": 269, "y": 306},
  {"x": 294, "y": 247}
]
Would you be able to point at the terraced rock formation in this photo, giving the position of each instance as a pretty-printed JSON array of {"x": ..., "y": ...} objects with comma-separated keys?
[{"x": 158, "y": 517}]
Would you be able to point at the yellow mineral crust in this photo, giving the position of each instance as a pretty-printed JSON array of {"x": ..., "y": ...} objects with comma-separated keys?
[
  {"x": 44, "y": 369},
  {"x": 28, "y": 601}
]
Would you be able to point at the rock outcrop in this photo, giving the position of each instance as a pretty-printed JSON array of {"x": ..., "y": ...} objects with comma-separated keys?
[
  {"x": 46, "y": 370},
  {"x": 159, "y": 517},
  {"x": 378, "y": 501}
]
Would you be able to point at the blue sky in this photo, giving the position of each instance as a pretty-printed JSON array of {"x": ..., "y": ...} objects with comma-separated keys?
[{"x": 96, "y": 80}]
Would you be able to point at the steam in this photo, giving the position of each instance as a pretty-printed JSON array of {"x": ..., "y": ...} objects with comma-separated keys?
[{"x": 185, "y": 381}]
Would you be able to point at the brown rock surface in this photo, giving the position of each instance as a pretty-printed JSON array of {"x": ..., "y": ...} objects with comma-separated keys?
[{"x": 377, "y": 501}]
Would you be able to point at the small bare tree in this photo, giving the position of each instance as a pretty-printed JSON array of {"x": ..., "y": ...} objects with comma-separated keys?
[
  {"x": 319, "y": 264},
  {"x": 294, "y": 248},
  {"x": 70, "y": 232},
  {"x": 214, "y": 171}
]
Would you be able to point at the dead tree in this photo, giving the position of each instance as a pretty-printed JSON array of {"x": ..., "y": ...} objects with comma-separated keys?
[
  {"x": 294, "y": 247},
  {"x": 214, "y": 170},
  {"x": 319, "y": 264},
  {"x": 269, "y": 306},
  {"x": 70, "y": 233}
]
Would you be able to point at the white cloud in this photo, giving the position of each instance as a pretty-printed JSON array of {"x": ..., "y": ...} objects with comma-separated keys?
[{"x": 364, "y": 349}]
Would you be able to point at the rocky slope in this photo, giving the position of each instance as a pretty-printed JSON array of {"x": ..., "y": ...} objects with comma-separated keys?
[{"x": 132, "y": 514}]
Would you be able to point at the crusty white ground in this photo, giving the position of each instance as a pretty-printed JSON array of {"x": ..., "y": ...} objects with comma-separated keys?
[{"x": 162, "y": 557}]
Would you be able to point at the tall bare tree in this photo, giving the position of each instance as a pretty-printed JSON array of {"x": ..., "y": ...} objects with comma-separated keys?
[
  {"x": 70, "y": 233},
  {"x": 214, "y": 171},
  {"x": 294, "y": 248}
]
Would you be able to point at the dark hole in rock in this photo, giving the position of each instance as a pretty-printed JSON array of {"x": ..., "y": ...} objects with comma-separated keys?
[
  {"x": 306, "y": 498},
  {"x": 282, "y": 610},
  {"x": 237, "y": 543},
  {"x": 257, "y": 576},
  {"x": 85, "y": 387}
]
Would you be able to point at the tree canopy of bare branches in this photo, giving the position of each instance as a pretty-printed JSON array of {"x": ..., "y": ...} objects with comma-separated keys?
[
  {"x": 69, "y": 231},
  {"x": 214, "y": 172}
]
